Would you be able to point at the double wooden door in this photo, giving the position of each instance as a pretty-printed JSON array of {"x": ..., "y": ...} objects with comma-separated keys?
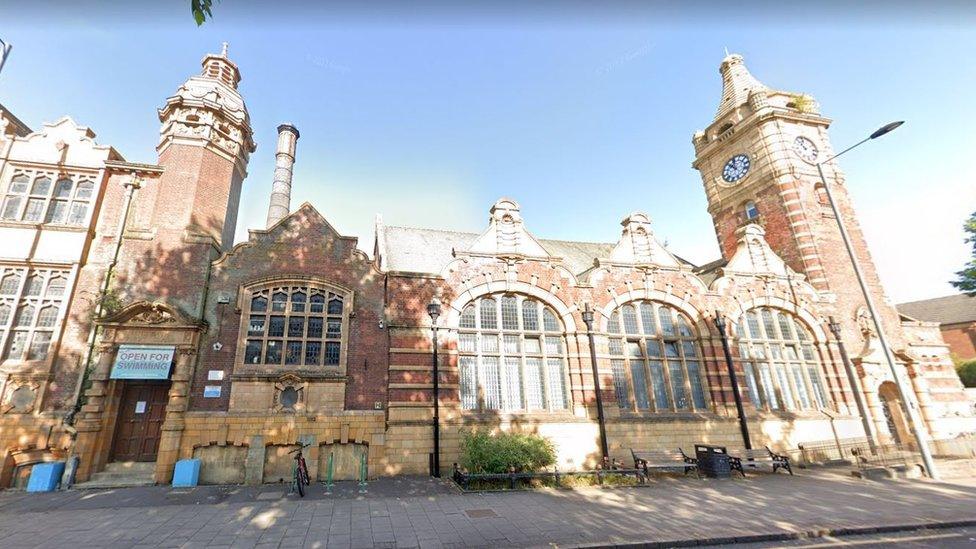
[{"x": 140, "y": 423}]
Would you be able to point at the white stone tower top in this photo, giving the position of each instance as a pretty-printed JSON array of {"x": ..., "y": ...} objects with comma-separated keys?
[{"x": 737, "y": 83}]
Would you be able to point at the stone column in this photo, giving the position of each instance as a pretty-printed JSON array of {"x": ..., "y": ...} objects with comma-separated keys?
[
  {"x": 922, "y": 396},
  {"x": 91, "y": 418},
  {"x": 172, "y": 435}
]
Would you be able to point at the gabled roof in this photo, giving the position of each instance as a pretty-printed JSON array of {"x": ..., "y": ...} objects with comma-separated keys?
[{"x": 951, "y": 309}]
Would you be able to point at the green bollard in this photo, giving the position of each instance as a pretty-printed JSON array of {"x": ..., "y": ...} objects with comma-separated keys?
[
  {"x": 362, "y": 474},
  {"x": 329, "y": 485}
]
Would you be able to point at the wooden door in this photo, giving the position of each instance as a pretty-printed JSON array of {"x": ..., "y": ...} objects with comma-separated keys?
[{"x": 141, "y": 415}]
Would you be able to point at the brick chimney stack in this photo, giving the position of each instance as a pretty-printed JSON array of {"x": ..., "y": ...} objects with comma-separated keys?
[{"x": 280, "y": 204}]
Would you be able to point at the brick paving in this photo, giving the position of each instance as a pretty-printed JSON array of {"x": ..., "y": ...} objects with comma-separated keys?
[{"x": 424, "y": 513}]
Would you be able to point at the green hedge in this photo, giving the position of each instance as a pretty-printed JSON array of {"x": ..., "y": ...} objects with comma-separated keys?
[
  {"x": 482, "y": 452},
  {"x": 967, "y": 372}
]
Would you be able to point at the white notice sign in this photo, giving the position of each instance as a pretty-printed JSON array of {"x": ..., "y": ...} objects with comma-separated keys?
[
  {"x": 211, "y": 391},
  {"x": 141, "y": 407},
  {"x": 215, "y": 375},
  {"x": 143, "y": 362}
]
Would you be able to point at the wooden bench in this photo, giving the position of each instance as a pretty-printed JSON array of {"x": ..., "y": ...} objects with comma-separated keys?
[
  {"x": 664, "y": 459},
  {"x": 740, "y": 459}
]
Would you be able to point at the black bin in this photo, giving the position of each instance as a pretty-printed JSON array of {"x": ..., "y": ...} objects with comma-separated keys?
[{"x": 713, "y": 461}]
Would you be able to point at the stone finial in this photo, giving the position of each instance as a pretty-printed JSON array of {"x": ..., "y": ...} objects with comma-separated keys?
[{"x": 223, "y": 50}]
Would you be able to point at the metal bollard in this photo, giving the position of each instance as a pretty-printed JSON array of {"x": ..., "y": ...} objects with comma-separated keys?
[
  {"x": 329, "y": 485},
  {"x": 362, "y": 474}
]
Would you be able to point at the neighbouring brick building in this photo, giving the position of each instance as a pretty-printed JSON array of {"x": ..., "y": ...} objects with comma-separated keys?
[
  {"x": 956, "y": 317},
  {"x": 133, "y": 330}
]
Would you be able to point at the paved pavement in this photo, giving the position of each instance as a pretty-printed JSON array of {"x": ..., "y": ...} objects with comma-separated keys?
[{"x": 419, "y": 512}]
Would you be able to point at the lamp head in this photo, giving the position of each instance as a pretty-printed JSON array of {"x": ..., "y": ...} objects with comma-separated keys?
[
  {"x": 886, "y": 129},
  {"x": 434, "y": 309},
  {"x": 719, "y": 321}
]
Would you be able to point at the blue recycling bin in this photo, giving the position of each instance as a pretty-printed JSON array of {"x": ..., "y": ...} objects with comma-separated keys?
[
  {"x": 187, "y": 473},
  {"x": 45, "y": 477}
]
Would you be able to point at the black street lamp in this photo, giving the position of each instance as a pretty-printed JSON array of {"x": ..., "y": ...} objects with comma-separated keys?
[
  {"x": 852, "y": 379},
  {"x": 434, "y": 310},
  {"x": 588, "y": 320},
  {"x": 914, "y": 420},
  {"x": 743, "y": 424}
]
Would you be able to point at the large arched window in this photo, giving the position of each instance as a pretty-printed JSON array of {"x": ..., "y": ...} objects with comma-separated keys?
[
  {"x": 781, "y": 366},
  {"x": 512, "y": 356},
  {"x": 656, "y": 359},
  {"x": 295, "y": 325}
]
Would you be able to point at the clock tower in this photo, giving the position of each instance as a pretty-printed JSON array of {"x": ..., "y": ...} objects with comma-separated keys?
[{"x": 757, "y": 161}]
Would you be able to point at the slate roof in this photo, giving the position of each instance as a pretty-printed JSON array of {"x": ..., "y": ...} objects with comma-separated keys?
[
  {"x": 418, "y": 250},
  {"x": 951, "y": 309}
]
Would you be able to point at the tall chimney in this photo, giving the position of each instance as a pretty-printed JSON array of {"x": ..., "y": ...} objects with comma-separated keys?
[{"x": 284, "y": 161}]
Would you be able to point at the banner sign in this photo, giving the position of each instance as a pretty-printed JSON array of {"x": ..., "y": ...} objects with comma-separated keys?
[{"x": 143, "y": 362}]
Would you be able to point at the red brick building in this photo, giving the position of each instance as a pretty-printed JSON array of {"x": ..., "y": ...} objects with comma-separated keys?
[
  {"x": 134, "y": 333},
  {"x": 956, "y": 317}
]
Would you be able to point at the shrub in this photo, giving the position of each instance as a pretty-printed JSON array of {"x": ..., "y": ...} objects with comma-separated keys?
[
  {"x": 967, "y": 372},
  {"x": 482, "y": 452}
]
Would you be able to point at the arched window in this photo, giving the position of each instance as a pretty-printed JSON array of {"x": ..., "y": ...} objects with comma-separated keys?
[
  {"x": 821, "y": 193},
  {"x": 750, "y": 210},
  {"x": 512, "y": 356},
  {"x": 781, "y": 366},
  {"x": 289, "y": 325},
  {"x": 656, "y": 359}
]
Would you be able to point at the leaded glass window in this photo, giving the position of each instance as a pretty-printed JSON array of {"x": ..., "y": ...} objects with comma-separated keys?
[
  {"x": 297, "y": 325},
  {"x": 656, "y": 359},
  {"x": 35, "y": 197},
  {"x": 31, "y": 303},
  {"x": 509, "y": 360},
  {"x": 782, "y": 368}
]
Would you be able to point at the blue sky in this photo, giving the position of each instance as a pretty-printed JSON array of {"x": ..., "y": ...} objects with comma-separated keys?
[{"x": 431, "y": 113}]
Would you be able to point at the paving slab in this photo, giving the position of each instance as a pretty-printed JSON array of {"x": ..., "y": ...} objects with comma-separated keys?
[{"x": 422, "y": 512}]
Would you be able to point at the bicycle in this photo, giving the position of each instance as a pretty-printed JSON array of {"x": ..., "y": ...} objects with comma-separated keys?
[{"x": 300, "y": 470}]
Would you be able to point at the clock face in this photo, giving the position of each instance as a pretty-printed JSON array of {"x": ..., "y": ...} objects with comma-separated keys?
[
  {"x": 736, "y": 168},
  {"x": 805, "y": 149}
]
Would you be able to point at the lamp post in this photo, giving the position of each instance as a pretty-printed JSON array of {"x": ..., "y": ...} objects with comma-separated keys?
[
  {"x": 852, "y": 379},
  {"x": 743, "y": 424},
  {"x": 588, "y": 320},
  {"x": 434, "y": 310},
  {"x": 875, "y": 318}
]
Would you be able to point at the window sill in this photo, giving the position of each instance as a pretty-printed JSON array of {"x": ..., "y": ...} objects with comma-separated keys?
[
  {"x": 669, "y": 416},
  {"x": 34, "y": 225},
  {"x": 794, "y": 414},
  {"x": 480, "y": 417},
  {"x": 273, "y": 373}
]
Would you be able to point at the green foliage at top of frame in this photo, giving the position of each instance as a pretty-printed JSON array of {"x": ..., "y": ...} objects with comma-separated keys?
[
  {"x": 966, "y": 278},
  {"x": 483, "y": 452},
  {"x": 201, "y": 10}
]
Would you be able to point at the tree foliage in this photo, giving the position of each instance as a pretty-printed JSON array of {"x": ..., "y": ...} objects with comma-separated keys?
[
  {"x": 482, "y": 452},
  {"x": 201, "y": 10},
  {"x": 966, "y": 278},
  {"x": 967, "y": 372}
]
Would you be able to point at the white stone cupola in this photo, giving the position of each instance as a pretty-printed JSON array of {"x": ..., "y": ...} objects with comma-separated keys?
[
  {"x": 208, "y": 111},
  {"x": 737, "y": 84}
]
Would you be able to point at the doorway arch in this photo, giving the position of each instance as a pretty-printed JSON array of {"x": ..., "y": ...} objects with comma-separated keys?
[{"x": 893, "y": 410}]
